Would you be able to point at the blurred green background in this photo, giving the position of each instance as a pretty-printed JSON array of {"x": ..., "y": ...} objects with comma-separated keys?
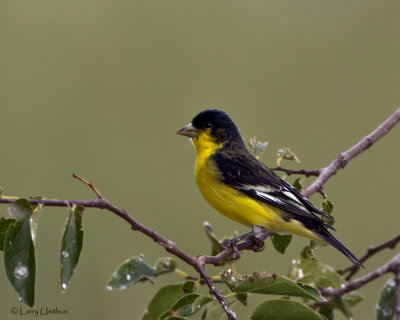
[{"x": 100, "y": 88}]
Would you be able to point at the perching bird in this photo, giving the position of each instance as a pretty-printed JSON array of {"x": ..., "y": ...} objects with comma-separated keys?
[{"x": 243, "y": 189}]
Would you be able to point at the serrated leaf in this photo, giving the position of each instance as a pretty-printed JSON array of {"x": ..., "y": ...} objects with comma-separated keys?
[
  {"x": 4, "y": 224},
  {"x": 385, "y": 308},
  {"x": 258, "y": 147},
  {"x": 163, "y": 300},
  {"x": 164, "y": 265},
  {"x": 232, "y": 281},
  {"x": 281, "y": 241},
  {"x": 284, "y": 310},
  {"x": 19, "y": 252},
  {"x": 263, "y": 283},
  {"x": 129, "y": 272},
  {"x": 71, "y": 244}
]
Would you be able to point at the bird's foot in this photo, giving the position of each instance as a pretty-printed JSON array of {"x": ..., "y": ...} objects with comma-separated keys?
[{"x": 235, "y": 242}]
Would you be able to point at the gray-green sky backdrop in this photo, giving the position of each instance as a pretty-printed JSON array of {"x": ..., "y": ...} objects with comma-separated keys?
[{"x": 100, "y": 88}]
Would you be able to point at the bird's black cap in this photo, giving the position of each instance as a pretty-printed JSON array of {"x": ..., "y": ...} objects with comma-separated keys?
[{"x": 221, "y": 125}]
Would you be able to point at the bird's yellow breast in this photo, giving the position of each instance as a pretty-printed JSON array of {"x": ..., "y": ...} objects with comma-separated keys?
[{"x": 232, "y": 203}]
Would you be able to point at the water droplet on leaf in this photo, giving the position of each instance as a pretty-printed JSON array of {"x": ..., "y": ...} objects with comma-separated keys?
[
  {"x": 21, "y": 272},
  {"x": 65, "y": 254},
  {"x": 64, "y": 286}
]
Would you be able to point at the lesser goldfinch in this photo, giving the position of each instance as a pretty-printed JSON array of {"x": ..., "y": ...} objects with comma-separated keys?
[{"x": 243, "y": 189}]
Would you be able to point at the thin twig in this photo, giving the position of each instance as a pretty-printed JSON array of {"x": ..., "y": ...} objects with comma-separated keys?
[
  {"x": 343, "y": 158},
  {"x": 304, "y": 172},
  {"x": 90, "y": 184},
  {"x": 372, "y": 250}
]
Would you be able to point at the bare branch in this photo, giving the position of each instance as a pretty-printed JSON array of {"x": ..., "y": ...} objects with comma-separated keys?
[
  {"x": 197, "y": 263},
  {"x": 335, "y": 293},
  {"x": 304, "y": 172},
  {"x": 372, "y": 250},
  {"x": 343, "y": 158}
]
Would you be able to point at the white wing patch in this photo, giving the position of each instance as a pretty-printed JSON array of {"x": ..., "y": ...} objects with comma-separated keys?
[
  {"x": 292, "y": 196},
  {"x": 268, "y": 196}
]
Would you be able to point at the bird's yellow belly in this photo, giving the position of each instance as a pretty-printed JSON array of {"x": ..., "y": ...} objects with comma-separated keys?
[{"x": 239, "y": 207}]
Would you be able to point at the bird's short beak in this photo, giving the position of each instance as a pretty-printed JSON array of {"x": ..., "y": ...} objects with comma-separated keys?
[{"x": 188, "y": 131}]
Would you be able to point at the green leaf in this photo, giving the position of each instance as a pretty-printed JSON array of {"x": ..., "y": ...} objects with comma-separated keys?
[
  {"x": 129, "y": 272},
  {"x": 215, "y": 242},
  {"x": 327, "y": 207},
  {"x": 34, "y": 221},
  {"x": 232, "y": 281},
  {"x": 385, "y": 308},
  {"x": 71, "y": 244},
  {"x": 284, "y": 310},
  {"x": 286, "y": 154},
  {"x": 164, "y": 265},
  {"x": 308, "y": 251},
  {"x": 19, "y": 252},
  {"x": 257, "y": 147},
  {"x": 189, "y": 286},
  {"x": 163, "y": 300},
  {"x": 315, "y": 273},
  {"x": 263, "y": 283},
  {"x": 311, "y": 291},
  {"x": 186, "y": 306},
  {"x": 352, "y": 298},
  {"x": 4, "y": 225},
  {"x": 281, "y": 241},
  {"x": 182, "y": 307},
  {"x": 297, "y": 184},
  {"x": 214, "y": 310},
  {"x": 327, "y": 312},
  {"x": 343, "y": 304}
]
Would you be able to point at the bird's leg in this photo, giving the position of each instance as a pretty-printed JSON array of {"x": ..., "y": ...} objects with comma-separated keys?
[
  {"x": 254, "y": 236},
  {"x": 256, "y": 233},
  {"x": 233, "y": 242}
]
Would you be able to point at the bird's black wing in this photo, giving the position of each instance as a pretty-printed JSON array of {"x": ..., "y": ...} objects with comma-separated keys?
[{"x": 245, "y": 173}]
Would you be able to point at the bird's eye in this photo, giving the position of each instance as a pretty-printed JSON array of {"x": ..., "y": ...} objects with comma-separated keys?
[{"x": 208, "y": 125}]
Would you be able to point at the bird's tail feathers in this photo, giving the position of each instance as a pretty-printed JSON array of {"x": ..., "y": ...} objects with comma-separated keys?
[{"x": 329, "y": 238}]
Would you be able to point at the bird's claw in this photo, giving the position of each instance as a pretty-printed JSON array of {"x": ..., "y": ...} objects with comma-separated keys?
[
  {"x": 258, "y": 245},
  {"x": 232, "y": 244}
]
